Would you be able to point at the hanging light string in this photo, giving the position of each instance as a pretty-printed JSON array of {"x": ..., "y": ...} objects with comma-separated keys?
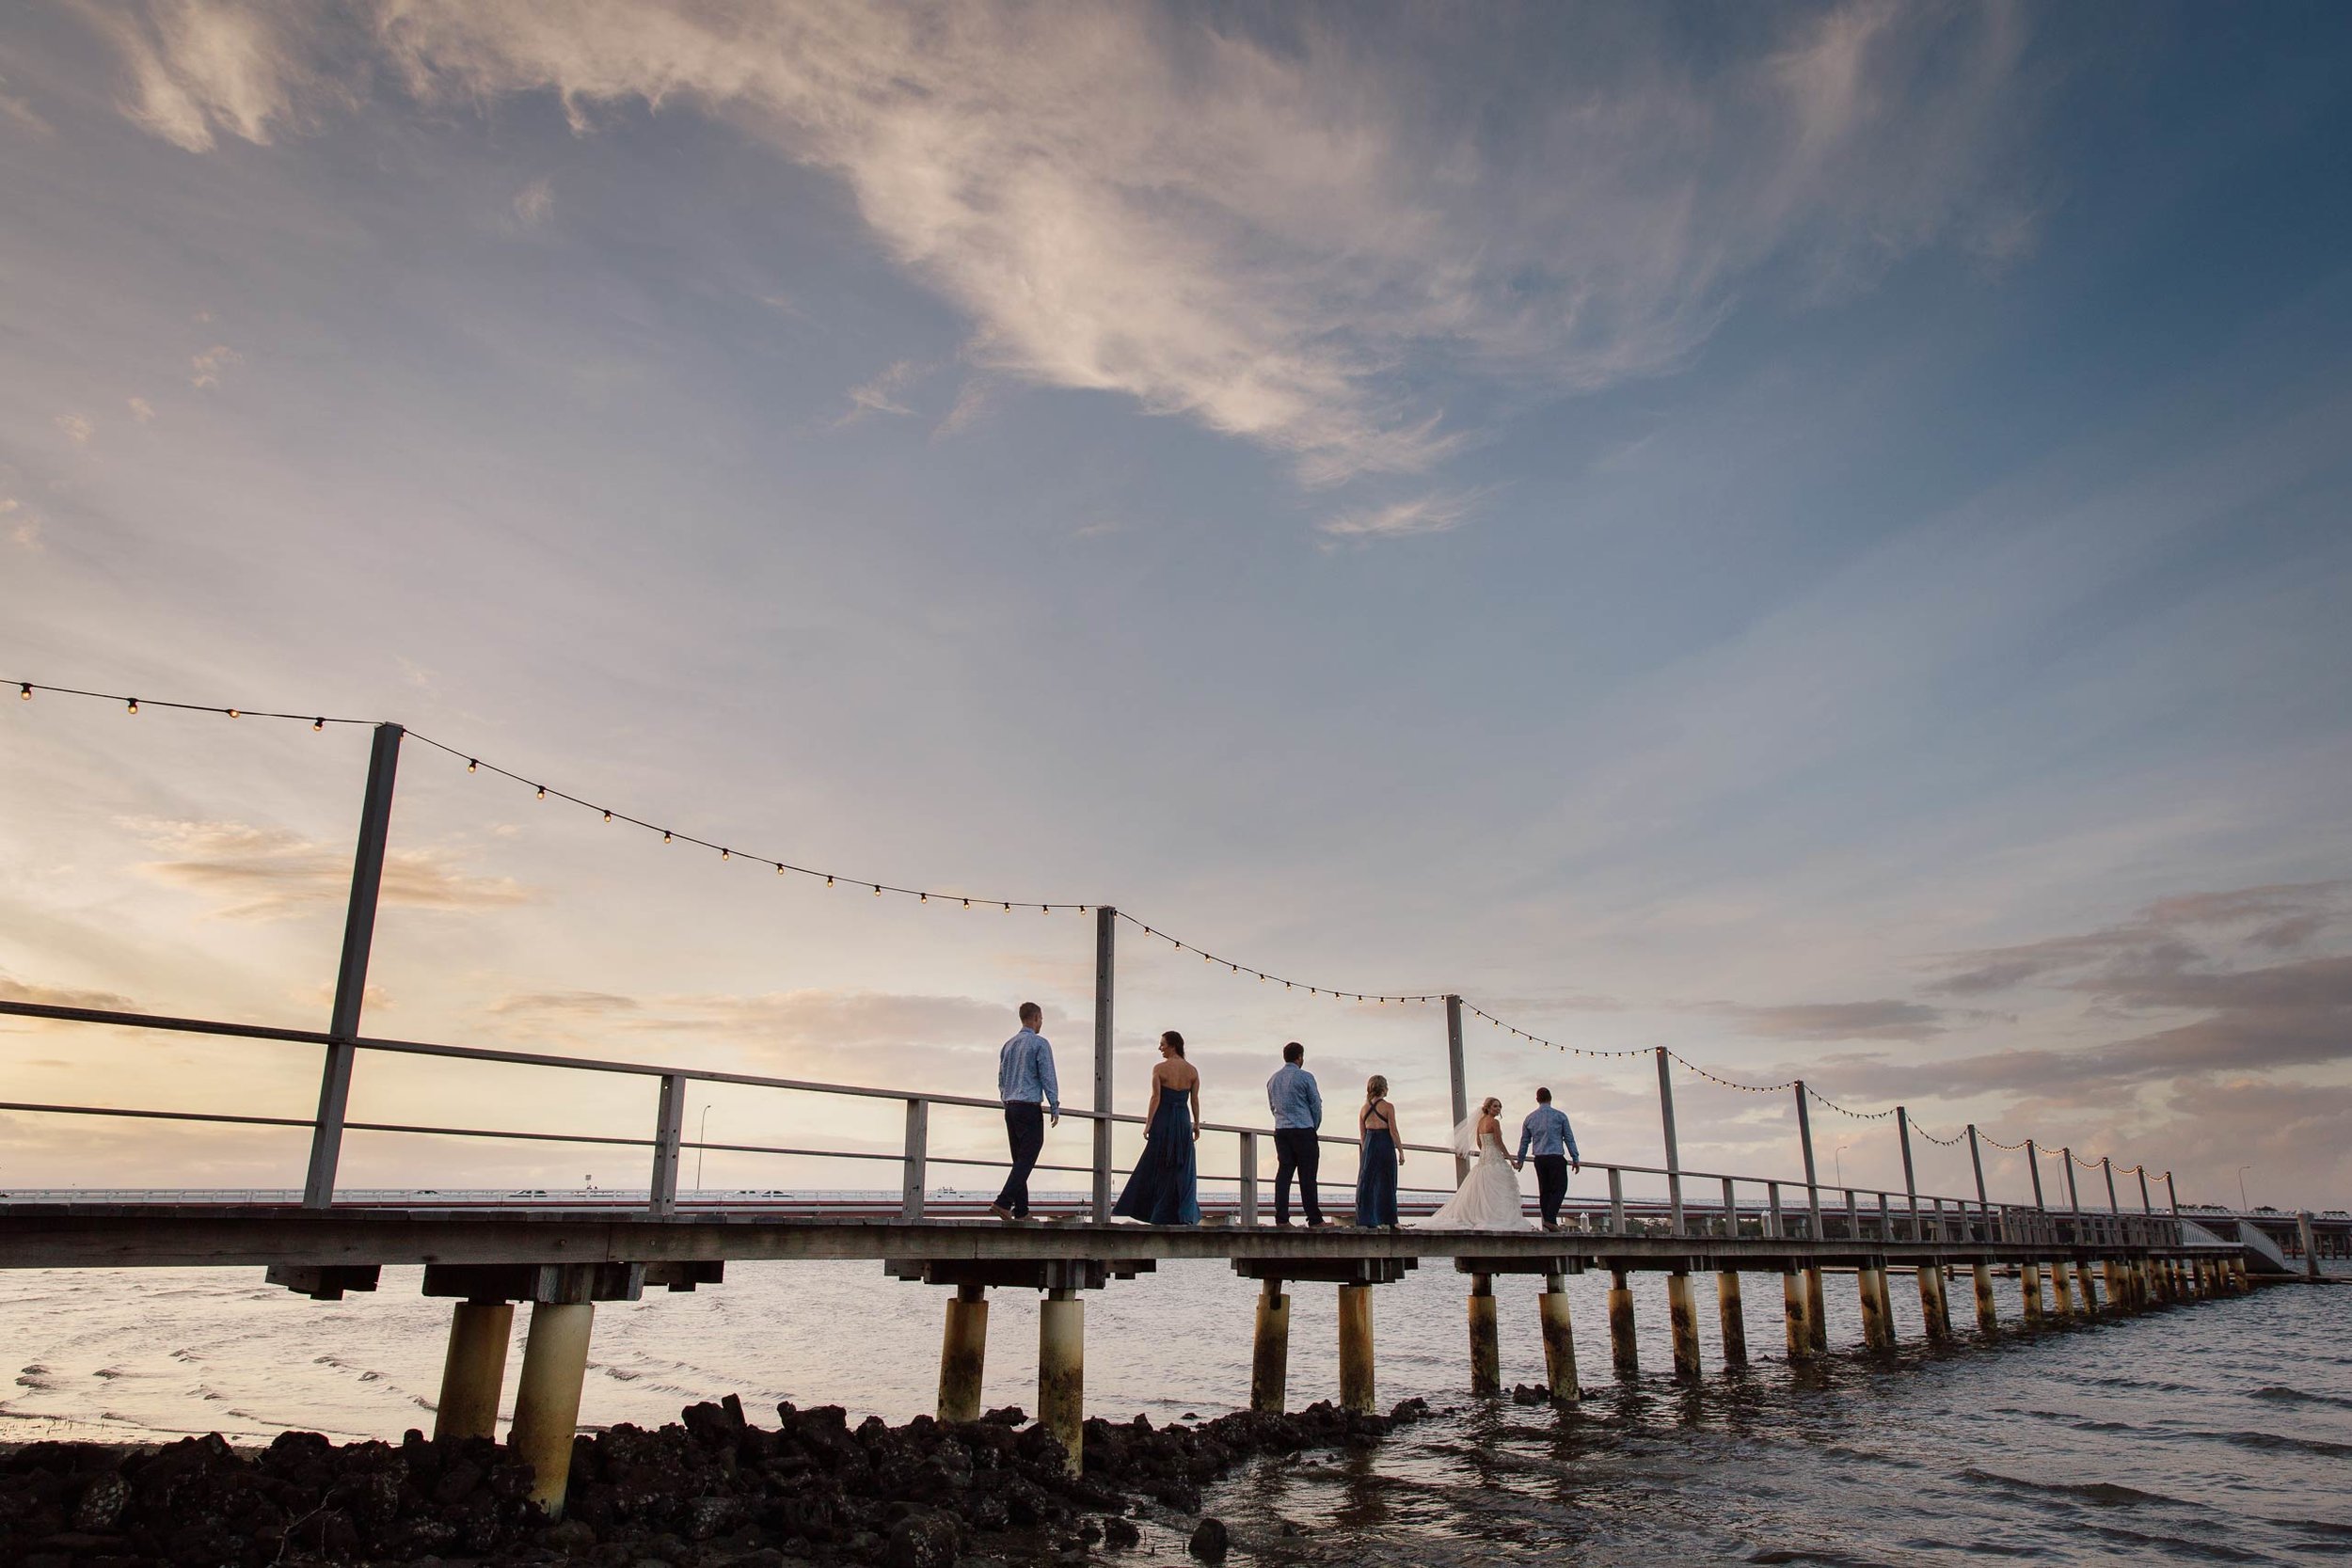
[
  {"x": 25, "y": 690},
  {"x": 1952, "y": 1142},
  {"x": 1235, "y": 966},
  {"x": 1517, "y": 1033},
  {"x": 1998, "y": 1144}
]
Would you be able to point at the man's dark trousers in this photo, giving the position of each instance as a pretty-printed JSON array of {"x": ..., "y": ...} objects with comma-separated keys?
[
  {"x": 1297, "y": 1150},
  {"x": 1025, "y": 1128},
  {"x": 1551, "y": 1184}
]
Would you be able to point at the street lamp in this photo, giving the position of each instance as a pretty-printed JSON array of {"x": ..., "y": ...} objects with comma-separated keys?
[
  {"x": 701, "y": 1138},
  {"x": 2243, "y": 1207},
  {"x": 1838, "y": 1156}
]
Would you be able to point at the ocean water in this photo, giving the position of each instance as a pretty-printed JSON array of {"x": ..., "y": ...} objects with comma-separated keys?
[{"x": 2218, "y": 1432}]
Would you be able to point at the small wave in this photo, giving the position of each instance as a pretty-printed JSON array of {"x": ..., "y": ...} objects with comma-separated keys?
[
  {"x": 2102, "y": 1494},
  {"x": 1810, "y": 1554},
  {"x": 2277, "y": 1395},
  {"x": 2274, "y": 1442}
]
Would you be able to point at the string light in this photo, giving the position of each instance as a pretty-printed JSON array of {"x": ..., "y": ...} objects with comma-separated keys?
[
  {"x": 665, "y": 836},
  {"x": 319, "y": 724},
  {"x": 473, "y": 767},
  {"x": 543, "y": 792},
  {"x": 723, "y": 854},
  {"x": 134, "y": 705},
  {"x": 232, "y": 713},
  {"x": 608, "y": 816},
  {"x": 24, "y": 690}
]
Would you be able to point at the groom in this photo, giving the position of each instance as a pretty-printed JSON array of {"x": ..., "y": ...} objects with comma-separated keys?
[{"x": 1547, "y": 1131}]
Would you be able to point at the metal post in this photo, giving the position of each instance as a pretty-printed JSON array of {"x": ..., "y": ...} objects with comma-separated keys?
[
  {"x": 917, "y": 1158},
  {"x": 2107, "y": 1163},
  {"x": 351, "y": 978},
  {"x": 2172, "y": 1195},
  {"x": 1455, "y": 1075},
  {"x": 2146, "y": 1207},
  {"x": 1812, "y": 1181},
  {"x": 669, "y": 1125},
  {"x": 1250, "y": 1179},
  {"x": 1910, "y": 1187},
  {"x": 2073, "y": 1199},
  {"x": 2033, "y": 1164},
  {"x": 1616, "y": 1201},
  {"x": 1778, "y": 1232},
  {"x": 1674, "y": 1158},
  {"x": 1731, "y": 1212},
  {"x": 1106, "y": 947},
  {"x": 1975, "y": 1163}
]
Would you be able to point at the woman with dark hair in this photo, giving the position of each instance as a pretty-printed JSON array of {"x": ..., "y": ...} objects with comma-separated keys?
[
  {"x": 1384, "y": 1152},
  {"x": 1164, "y": 1188}
]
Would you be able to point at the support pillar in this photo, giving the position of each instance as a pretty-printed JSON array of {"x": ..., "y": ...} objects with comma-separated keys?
[
  {"x": 1061, "y": 1373},
  {"x": 1816, "y": 1311},
  {"x": 1877, "y": 1333},
  {"x": 1485, "y": 1351},
  {"x": 1623, "y": 1354},
  {"x": 547, "y": 1397},
  {"x": 2119, "y": 1291},
  {"x": 474, "y": 1371},
  {"x": 2029, "y": 1288},
  {"x": 2237, "y": 1275},
  {"x": 1552, "y": 1309},
  {"x": 1932, "y": 1309},
  {"x": 2089, "y": 1292},
  {"x": 1733, "y": 1317},
  {"x": 1796, "y": 1308},
  {"x": 1356, "y": 1389},
  {"x": 2061, "y": 1294},
  {"x": 1988, "y": 1309},
  {"x": 963, "y": 1354},
  {"x": 1684, "y": 1317},
  {"x": 2309, "y": 1244},
  {"x": 1270, "y": 1359}
]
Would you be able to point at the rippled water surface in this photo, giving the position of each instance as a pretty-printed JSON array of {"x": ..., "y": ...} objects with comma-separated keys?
[{"x": 2219, "y": 1432}]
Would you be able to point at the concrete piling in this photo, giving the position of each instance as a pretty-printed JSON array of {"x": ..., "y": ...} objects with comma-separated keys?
[
  {"x": 1485, "y": 1346},
  {"x": 1988, "y": 1309},
  {"x": 1816, "y": 1311},
  {"x": 1683, "y": 1315},
  {"x": 1732, "y": 1319},
  {"x": 1355, "y": 1363},
  {"x": 1061, "y": 1332},
  {"x": 2061, "y": 1295},
  {"x": 547, "y": 1397},
  {"x": 1877, "y": 1332},
  {"x": 963, "y": 1354},
  {"x": 1796, "y": 1307},
  {"x": 2088, "y": 1291},
  {"x": 1559, "y": 1344},
  {"x": 1931, "y": 1308},
  {"x": 474, "y": 1369},
  {"x": 1269, "y": 1363},
  {"x": 2237, "y": 1275},
  {"x": 2029, "y": 1289},
  {"x": 1623, "y": 1354}
]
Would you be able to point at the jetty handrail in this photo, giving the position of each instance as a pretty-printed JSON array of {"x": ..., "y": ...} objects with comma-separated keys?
[{"x": 1909, "y": 1213}]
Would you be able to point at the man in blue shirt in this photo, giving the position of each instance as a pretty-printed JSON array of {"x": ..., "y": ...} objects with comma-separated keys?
[
  {"x": 1547, "y": 1131},
  {"x": 1026, "y": 1084},
  {"x": 1297, "y": 1106}
]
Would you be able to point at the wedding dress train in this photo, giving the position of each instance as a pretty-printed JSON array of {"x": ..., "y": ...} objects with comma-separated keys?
[{"x": 1489, "y": 1198}]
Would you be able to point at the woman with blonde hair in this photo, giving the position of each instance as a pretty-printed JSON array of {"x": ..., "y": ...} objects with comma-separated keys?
[
  {"x": 1488, "y": 1198},
  {"x": 1383, "y": 1154}
]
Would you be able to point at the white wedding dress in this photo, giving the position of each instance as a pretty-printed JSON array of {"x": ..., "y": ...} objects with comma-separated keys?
[{"x": 1488, "y": 1198}]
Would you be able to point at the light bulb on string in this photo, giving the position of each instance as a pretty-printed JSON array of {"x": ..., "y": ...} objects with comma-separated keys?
[
  {"x": 877, "y": 893},
  {"x": 24, "y": 690},
  {"x": 924, "y": 897},
  {"x": 608, "y": 816},
  {"x": 665, "y": 836},
  {"x": 543, "y": 792},
  {"x": 134, "y": 705},
  {"x": 318, "y": 723},
  {"x": 967, "y": 903},
  {"x": 473, "y": 765},
  {"x": 726, "y": 854},
  {"x": 829, "y": 881},
  {"x": 779, "y": 868},
  {"x": 234, "y": 714}
]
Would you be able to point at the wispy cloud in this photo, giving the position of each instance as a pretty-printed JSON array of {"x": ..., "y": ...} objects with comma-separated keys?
[
  {"x": 141, "y": 409},
  {"x": 76, "y": 427},
  {"x": 62, "y": 996},
  {"x": 536, "y": 201},
  {"x": 880, "y": 395},
  {"x": 1432, "y": 513},
  {"x": 1883, "y": 1019},
  {"x": 205, "y": 369},
  {"x": 257, "y": 873},
  {"x": 1278, "y": 236}
]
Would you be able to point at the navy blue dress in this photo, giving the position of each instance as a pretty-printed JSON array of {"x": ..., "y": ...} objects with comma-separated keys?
[
  {"x": 1375, "y": 1178},
  {"x": 1164, "y": 1188}
]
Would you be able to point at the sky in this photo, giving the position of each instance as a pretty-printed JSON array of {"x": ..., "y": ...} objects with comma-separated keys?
[{"x": 1814, "y": 537}]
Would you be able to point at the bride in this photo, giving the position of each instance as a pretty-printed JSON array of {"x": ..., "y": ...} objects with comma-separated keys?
[{"x": 1489, "y": 1196}]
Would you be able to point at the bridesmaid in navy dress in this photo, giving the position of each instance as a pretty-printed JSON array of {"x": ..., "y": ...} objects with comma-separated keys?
[
  {"x": 1375, "y": 1178},
  {"x": 1164, "y": 1188}
]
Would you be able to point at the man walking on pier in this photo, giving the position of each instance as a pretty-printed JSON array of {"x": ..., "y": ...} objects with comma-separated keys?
[
  {"x": 1547, "y": 1131},
  {"x": 1297, "y": 1106},
  {"x": 1026, "y": 1082}
]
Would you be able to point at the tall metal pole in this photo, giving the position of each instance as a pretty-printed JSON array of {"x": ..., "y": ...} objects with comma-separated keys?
[
  {"x": 2172, "y": 1195},
  {"x": 1453, "y": 1070},
  {"x": 1975, "y": 1163},
  {"x": 2145, "y": 1206},
  {"x": 1105, "y": 952},
  {"x": 2073, "y": 1199},
  {"x": 2107, "y": 1163},
  {"x": 1910, "y": 1187},
  {"x": 351, "y": 975},
  {"x": 1812, "y": 1181},
  {"x": 2033, "y": 1164},
  {"x": 1673, "y": 1156}
]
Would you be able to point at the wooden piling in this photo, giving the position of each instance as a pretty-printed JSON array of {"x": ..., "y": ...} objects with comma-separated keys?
[
  {"x": 1485, "y": 1346},
  {"x": 1816, "y": 1311},
  {"x": 1731, "y": 1317},
  {"x": 1269, "y": 1362},
  {"x": 1877, "y": 1332},
  {"x": 1988, "y": 1309},
  {"x": 2029, "y": 1290},
  {"x": 1559, "y": 1344},
  {"x": 474, "y": 1371},
  {"x": 1796, "y": 1309},
  {"x": 1623, "y": 1355},
  {"x": 1061, "y": 1375},
  {"x": 2088, "y": 1291},
  {"x": 2061, "y": 1294},
  {"x": 547, "y": 1397},
  {"x": 1682, "y": 1313},
  {"x": 963, "y": 1354},
  {"x": 1355, "y": 1364}
]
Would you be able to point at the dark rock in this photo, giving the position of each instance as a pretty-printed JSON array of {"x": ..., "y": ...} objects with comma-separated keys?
[
  {"x": 572, "y": 1538},
  {"x": 1210, "y": 1541},
  {"x": 103, "y": 1502},
  {"x": 923, "y": 1540},
  {"x": 1121, "y": 1532}
]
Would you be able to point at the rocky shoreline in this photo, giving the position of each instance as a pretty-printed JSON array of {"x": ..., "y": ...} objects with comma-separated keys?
[{"x": 708, "y": 1491}]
